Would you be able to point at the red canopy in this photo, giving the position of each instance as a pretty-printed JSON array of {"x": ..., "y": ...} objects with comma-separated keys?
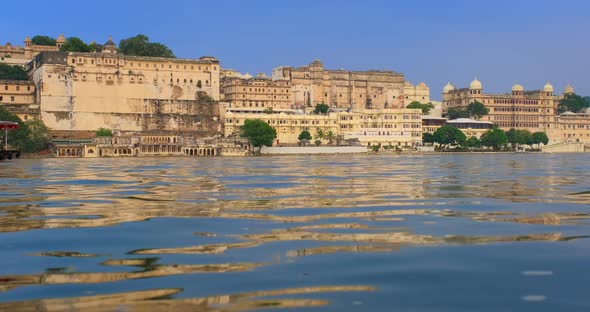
[{"x": 8, "y": 125}]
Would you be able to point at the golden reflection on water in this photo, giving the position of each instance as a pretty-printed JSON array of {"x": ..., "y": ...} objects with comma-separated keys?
[
  {"x": 356, "y": 207},
  {"x": 160, "y": 300}
]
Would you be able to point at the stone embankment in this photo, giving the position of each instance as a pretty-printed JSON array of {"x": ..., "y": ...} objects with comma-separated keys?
[{"x": 297, "y": 150}]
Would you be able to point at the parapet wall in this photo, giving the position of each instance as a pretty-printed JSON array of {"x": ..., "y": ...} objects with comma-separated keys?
[{"x": 296, "y": 150}]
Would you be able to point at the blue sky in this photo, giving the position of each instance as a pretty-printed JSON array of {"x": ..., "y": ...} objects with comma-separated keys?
[{"x": 501, "y": 42}]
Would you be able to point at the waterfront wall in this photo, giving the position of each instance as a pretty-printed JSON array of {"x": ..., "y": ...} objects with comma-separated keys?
[
  {"x": 573, "y": 147},
  {"x": 313, "y": 150}
]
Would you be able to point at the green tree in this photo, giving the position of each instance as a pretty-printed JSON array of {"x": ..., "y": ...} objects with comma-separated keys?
[
  {"x": 449, "y": 135},
  {"x": 104, "y": 132},
  {"x": 477, "y": 110},
  {"x": 318, "y": 142},
  {"x": 74, "y": 44},
  {"x": 518, "y": 137},
  {"x": 320, "y": 134},
  {"x": 94, "y": 47},
  {"x": 140, "y": 45},
  {"x": 473, "y": 142},
  {"x": 304, "y": 135},
  {"x": 456, "y": 112},
  {"x": 321, "y": 108},
  {"x": 494, "y": 138},
  {"x": 428, "y": 137},
  {"x": 15, "y": 72},
  {"x": 424, "y": 107},
  {"x": 572, "y": 103},
  {"x": 258, "y": 132},
  {"x": 16, "y": 138},
  {"x": 538, "y": 138},
  {"x": 43, "y": 40},
  {"x": 38, "y": 138},
  {"x": 330, "y": 136},
  {"x": 31, "y": 136}
]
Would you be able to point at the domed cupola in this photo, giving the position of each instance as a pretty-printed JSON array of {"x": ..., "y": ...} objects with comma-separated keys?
[
  {"x": 110, "y": 46},
  {"x": 548, "y": 88},
  {"x": 568, "y": 89},
  {"x": 448, "y": 87},
  {"x": 517, "y": 87},
  {"x": 475, "y": 85}
]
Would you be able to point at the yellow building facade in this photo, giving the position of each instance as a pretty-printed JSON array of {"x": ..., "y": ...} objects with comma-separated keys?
[
  {"x": 12, "y": 53},
  {"x": 86, "y": 91},
  {"x": 526, "y": 110},
  {"x": 520, "y": 109},
  {"x": 571, "y": 128},
  {"x": 18, "y": 97},
  {"x": 395, "y": 127},
  {"x": 355, "y": 90}
]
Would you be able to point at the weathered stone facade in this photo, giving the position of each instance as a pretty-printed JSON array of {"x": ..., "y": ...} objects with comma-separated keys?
[
  {"x": 86, "y": 91},
  {"x": 371, "y": 89},
  {"x": 261, "y": 93},
  {"x": 151, "y": 145}
]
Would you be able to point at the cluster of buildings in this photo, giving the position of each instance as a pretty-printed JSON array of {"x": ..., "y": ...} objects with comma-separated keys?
[
  {"x": 188, "y": 101},
  {"x": 532, "y": 110}
]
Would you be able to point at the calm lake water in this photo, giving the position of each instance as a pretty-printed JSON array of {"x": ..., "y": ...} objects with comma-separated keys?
[{"x": 492, "y": 232}]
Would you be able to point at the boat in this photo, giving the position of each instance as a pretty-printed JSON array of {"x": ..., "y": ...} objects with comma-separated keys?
[{"x": 5, "y": 151}]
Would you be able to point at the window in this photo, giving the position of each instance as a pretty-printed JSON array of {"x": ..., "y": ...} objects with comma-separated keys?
[
  {"x": 12, "y": 98},
  {"x": 17, "y": 88},
  {"x": 1, "y": 98}
]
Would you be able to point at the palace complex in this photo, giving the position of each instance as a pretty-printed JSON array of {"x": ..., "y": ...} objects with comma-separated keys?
[
  {"x": 186, "y": 101},
  {"x": 313, "y": 85},
  {"x": 532, "y": 110}
]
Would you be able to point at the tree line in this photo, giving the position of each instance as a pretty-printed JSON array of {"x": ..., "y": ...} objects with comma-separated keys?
[
  {"x": 138, "y": 45},
  {"x": 12, "y": 72},
  {"x": 495, "y": 138}
]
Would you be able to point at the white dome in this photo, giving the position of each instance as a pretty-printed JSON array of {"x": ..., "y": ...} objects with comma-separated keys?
[
  {"x": 475, "y": 84},
  {"x": 517, "y": 87},
  {"x": 548, "y": 87},
  {"x": 568, "y": 89},
  {"x": 448, "y": 87},
  {"x": 422, "y": 85}
]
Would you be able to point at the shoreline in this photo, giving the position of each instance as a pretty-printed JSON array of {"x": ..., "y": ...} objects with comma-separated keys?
[{"x": 368, "y": 153}]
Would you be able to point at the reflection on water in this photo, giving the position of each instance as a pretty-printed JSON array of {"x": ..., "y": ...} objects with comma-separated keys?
[{"x": 167, "y": 233}]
